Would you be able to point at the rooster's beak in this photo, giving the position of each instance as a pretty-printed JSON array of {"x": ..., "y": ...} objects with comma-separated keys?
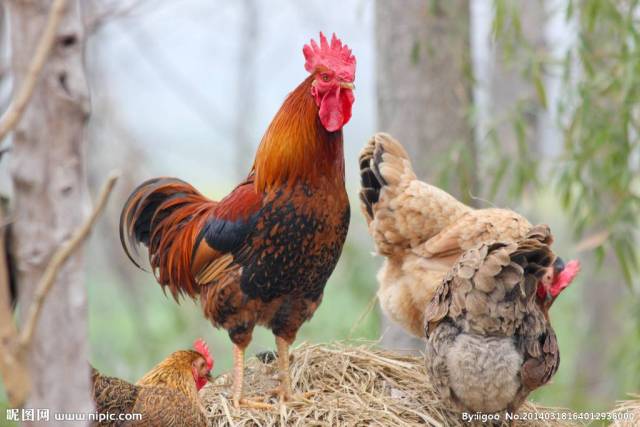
[{"x": 347, "y": 85}]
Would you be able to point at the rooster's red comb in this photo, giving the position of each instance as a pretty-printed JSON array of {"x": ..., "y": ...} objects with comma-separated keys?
[
  {"x": 335, "y": 56},
  {"x": 201, "y": 347}
]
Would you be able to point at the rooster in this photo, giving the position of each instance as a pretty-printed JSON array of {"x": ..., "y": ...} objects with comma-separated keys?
[
  {"x": 263, "y": 254},
  {"x": 422, "y": 231},
  {"x": 167, "y": 395},
  {"x": 490, "y": 342}
]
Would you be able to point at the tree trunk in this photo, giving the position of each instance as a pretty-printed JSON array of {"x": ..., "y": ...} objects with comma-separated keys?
[
  {"x": 50, "y": 201},
  {"x": 424, "y": 93}
]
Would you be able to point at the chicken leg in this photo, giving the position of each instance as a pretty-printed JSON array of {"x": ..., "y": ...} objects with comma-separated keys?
[
  {"x": 238, "y": 380},
  {"x": 284, "y": 391}
]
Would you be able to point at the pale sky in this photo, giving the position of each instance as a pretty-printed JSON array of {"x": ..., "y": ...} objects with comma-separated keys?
[{"x": 185, "y": 127}]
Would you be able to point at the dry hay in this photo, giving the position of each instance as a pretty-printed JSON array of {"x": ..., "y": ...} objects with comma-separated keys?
[
  {"x": 354, "y": 385},
  {"x": 628, "y": 411}
]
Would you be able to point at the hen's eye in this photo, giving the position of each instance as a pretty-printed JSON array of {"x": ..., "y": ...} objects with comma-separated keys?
[{"x": 325, "y": 77}]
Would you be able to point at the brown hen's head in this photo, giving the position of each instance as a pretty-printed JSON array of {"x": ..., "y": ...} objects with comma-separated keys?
[
  {"x": 182, "y": 367},
  {"x": 334, "y": 70},
  {"x": 555, "y": 280},
  {"x": 202, "y": 366}
]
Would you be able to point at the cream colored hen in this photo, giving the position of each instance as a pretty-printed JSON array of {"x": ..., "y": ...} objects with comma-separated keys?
[{"x": 420, "y": 229}]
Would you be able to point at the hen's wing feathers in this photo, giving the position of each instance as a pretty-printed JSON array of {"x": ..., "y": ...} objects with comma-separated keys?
[
  {"x": 163, "y": 406},
  {"x": 491, "y": 287},
  {"x": 438, "y": 307},
  {"x": 113, "y": 394},
  {"x": 481, "y": 226},
  {"x": 538, "y": 369}
]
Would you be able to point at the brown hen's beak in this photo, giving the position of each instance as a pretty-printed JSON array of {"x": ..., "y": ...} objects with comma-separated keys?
[
  {"x": 347, "y": 85},
  {"x": 209, "y": 377}
]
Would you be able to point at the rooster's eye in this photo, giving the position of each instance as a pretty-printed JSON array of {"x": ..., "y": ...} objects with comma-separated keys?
[{"x": 325, "y": 77}]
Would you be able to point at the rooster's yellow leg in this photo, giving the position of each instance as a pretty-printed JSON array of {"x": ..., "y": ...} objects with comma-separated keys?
[
  {"x": 284, "y": 391},
  {"x": 238, "y": 379}
]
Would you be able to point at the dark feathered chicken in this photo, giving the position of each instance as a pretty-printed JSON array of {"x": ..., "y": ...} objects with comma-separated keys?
[{"x": 489, "y": 340}]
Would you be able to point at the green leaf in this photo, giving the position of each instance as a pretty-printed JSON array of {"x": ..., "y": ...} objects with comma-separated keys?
[
  {"x": 540, "y": 89},
  {"x": 498, "y": 176}
]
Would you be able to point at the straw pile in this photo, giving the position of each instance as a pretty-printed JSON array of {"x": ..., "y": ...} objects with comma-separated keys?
[
  {"x": 352, "y": 386},
  {"x": 629, "y": 412}
]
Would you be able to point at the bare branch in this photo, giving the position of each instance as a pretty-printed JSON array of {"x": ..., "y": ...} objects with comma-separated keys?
[
  {"x": 13, "y": 114},
  {"x": 57, "y": 261}
]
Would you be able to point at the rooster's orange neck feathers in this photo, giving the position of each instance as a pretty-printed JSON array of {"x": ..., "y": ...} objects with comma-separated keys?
[{"x": 296, "y": 147}]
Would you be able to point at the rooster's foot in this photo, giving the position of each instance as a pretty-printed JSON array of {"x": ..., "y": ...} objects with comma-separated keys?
[
  {"x": 250, "y": 404},
  {"x": 285, "y": 396}
]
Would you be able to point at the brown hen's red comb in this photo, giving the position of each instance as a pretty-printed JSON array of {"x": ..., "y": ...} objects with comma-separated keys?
[
  {"x": 201, "y": 347},
  {"x": 335, "y": 56}
]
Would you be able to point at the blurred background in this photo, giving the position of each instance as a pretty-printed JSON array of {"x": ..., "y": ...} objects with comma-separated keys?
[{"x": 531, "y": 105}]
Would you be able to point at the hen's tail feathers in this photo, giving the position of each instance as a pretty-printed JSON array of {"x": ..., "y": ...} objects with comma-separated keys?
[
  {"x": 383, "y": 162},
  {"x": 166, "y": 215},
  {"x": 534, "y": 255}
]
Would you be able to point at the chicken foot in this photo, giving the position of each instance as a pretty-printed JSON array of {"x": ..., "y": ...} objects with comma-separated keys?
[
  {"x": 284, "y": 391},
  {"x": 238, "y": 380}
]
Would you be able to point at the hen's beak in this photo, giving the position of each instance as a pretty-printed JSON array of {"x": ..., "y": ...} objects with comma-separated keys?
[
  {"x": 347, "y": 85},
  {"x": 209, "y": 377},
  {"x": 558, "y": 265}
]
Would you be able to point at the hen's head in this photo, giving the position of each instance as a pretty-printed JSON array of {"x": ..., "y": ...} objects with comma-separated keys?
[
  {"x": 334, "y": 70},
  {"x": 202, "y": 363},
  {"x": 182, "y": 367},
  {"x": 555, "y": 280}
]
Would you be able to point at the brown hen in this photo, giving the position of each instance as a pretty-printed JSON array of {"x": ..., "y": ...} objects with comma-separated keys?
[{"x": 166, "y": 396}]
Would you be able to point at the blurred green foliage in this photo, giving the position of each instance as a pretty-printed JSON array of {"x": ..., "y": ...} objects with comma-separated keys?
[
  {"x": 3, "y": 408},
  {"x": 597, "y": 175},
  {"x": 595, "y": 178}
]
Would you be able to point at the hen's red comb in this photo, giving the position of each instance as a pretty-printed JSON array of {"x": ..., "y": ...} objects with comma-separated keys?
[
  {"x": 201, "y": 347},
  {"x": 565, "y": 277},
  {"x": 335, "y": 56}
]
